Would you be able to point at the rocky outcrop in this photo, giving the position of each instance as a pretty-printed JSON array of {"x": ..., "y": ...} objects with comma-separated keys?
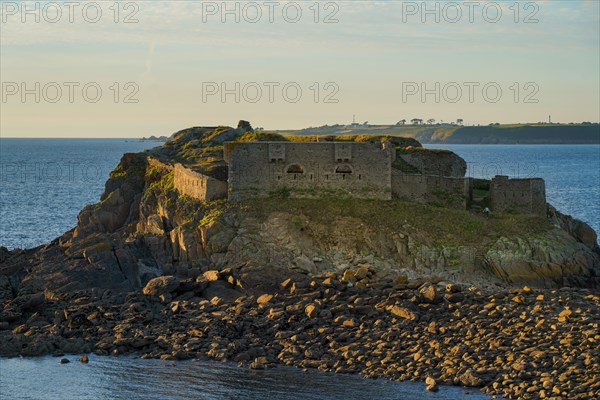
[
  {"x": 568, "y": 255},
  {"x": 574, "y": 227},
  {"x": 553, "y": 259},
  {"x": 434, "y": 162},
  {"x": 118, "y": 203}
]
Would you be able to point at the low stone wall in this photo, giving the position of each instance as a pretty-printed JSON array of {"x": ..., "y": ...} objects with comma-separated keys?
[
  {"x": 153, "y": 162},
  {"x": 432, "y": 189},
  {"x": 518, "y": 195},
  {"x": 197, "y": 185},
  {"x": 191, "y": 183}
]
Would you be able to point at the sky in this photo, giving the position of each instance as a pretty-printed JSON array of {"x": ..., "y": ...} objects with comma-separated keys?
[{"x": 141, "y": 68}]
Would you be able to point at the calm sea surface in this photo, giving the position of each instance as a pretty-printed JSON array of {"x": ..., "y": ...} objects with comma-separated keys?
[
  {"x": 126, "y": 378},
  {"x": 44, "y": 183}
]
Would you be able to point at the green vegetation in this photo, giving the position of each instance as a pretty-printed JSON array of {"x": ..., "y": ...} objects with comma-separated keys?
[
  {"x": 281, "y": 193},
  {"x": 159, "y": 178},
  {"x": 118, "y": 172},
  {"x": 212, "y": 211},
  {"x": 446, "y": 198},
  {"x": 413, "y": 149},
  {"x": 260, "y": 137},
  {"x": 450, "y": 227}
]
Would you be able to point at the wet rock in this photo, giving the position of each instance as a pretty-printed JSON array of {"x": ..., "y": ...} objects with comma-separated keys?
[
  {"x": 470, "y": 379},
  {"x": 260, "y": 363},
  {"x": 6, "y": 289},
  {"x": 431, "y": 384}
]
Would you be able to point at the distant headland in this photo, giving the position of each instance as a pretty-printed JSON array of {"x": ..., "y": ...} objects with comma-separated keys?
[{"x": 538, "y": 133}]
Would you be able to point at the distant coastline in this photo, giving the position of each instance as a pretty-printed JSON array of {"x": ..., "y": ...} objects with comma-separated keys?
[
  {"x": 155, "y": 139},
  {"x": 455, "y": 134}
]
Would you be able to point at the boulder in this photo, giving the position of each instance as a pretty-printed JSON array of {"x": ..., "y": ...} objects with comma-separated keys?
[
  {"x": 161, "y": 285},
  {"x": 403, "y": 312},
  {"x": 311, "y": 310},
  {"x": 264, "y": 299},
  {"x": 211, "y": 275},
  {"x": 431, "y": 384},
  {"x": 245, "y": 126},
  {"x": 581, "y": 231},
  {"x": 6, "y": 289},
  {"x": 429, "y": 293},
  {"x": 470, "y": 379}
]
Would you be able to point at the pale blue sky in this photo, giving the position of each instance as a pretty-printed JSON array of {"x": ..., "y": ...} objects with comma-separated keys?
[{"x": 374, "y": 49}]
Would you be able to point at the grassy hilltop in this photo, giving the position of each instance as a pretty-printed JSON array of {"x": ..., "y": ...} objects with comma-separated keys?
[{"x": 493, "y": 134}]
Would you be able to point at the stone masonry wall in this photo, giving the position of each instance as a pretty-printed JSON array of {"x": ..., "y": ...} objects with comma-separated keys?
[
  {"x": 153, "y": 162},
  {"x": 432, "y": 189},
  {"x": 196, "y": 185},
  {"x": 193, "y": 184},
  {"x": 519, "y": 195},
  {"x": 360, "y": 170}
]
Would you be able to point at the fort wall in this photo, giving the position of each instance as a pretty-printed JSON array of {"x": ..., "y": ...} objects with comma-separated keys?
[
  {"x": 197, "y": 185},
  {"x": 518, "y": 195},
  {"x": 432, "y": 189},
  {"x": 359, "y": 170},
  {"x": 192, "y": 183},
  {"x": 153, "y": 162}
]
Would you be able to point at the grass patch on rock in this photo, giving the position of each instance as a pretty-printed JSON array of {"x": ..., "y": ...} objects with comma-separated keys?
[{"x": 435, "y": 224}]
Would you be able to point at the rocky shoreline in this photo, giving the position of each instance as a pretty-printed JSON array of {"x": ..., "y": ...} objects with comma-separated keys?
[{"x": 519, "y": 343}]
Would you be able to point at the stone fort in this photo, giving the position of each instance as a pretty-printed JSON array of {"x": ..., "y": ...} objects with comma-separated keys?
[{"x": 362, "y": 170}]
